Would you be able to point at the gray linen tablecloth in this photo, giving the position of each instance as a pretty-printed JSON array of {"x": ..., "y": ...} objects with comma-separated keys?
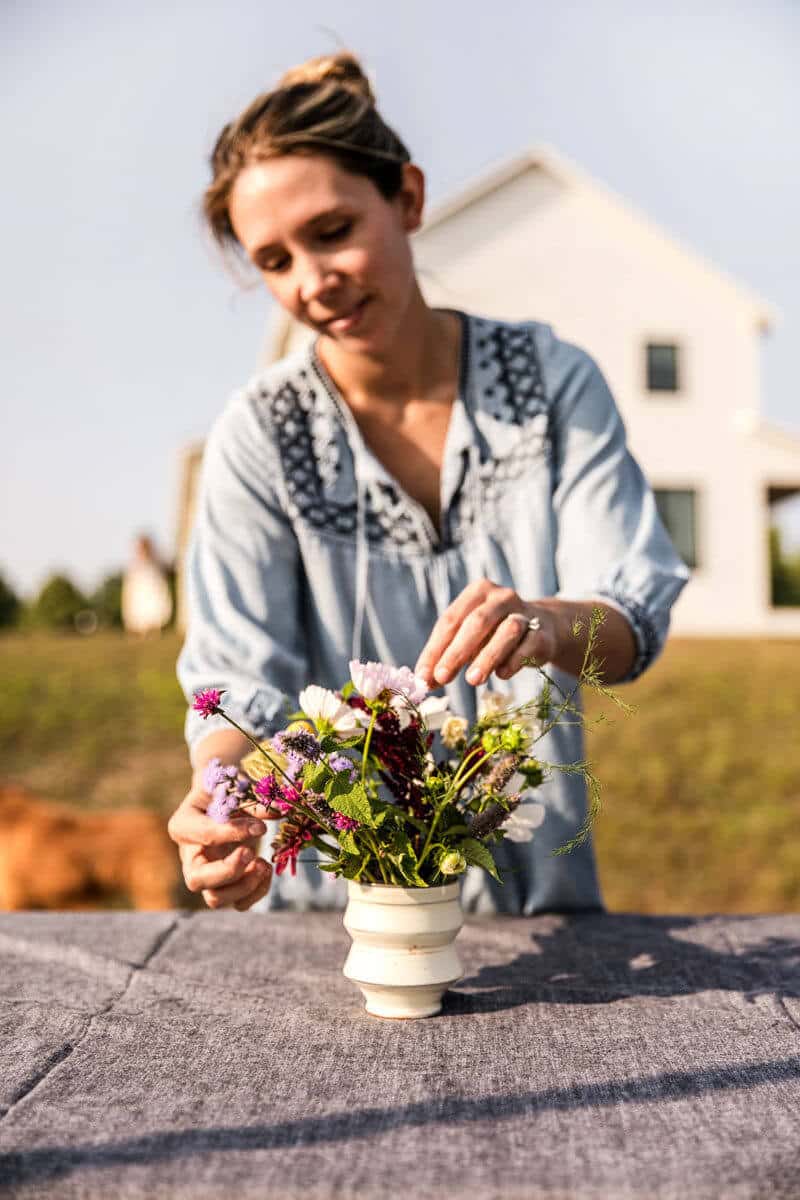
[{"x": 215, "y": 1055}]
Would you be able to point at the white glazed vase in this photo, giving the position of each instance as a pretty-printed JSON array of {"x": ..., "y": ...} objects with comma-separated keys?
[{"x": 403, "y": 956}]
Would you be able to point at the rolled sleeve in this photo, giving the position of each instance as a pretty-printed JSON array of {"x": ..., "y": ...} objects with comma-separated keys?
[
  {"x": 610, "y": 542},
  {"x": 242, "y": 582}
]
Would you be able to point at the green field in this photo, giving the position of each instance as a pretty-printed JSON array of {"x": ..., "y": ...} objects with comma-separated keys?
[{"x": 701, "y": 785}]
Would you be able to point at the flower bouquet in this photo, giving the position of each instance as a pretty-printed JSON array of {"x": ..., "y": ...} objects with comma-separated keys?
[{"x": 357, "y": 775}]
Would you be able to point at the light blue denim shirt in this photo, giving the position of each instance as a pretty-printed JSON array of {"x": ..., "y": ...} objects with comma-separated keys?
[{"x": 306, "y": 552}]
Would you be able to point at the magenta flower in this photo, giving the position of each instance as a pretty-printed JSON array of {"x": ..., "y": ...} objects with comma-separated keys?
[
  {"x": 207, "y": 702},
  {"x": 271, "y": 794},
  {"x": 345, "y": 824}
]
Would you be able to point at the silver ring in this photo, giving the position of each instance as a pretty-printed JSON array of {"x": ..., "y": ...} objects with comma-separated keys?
[{"x": 532, "y": 623}]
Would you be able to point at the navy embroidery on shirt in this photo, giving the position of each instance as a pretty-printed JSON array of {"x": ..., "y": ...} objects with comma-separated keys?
[
  {"x": 509, "y": 375},
  {"x": 307, "y": 442},
  {"x": 503, "y": 373}
]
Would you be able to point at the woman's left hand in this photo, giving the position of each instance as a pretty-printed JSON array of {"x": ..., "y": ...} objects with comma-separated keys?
[{"x": 487, "y": 626}]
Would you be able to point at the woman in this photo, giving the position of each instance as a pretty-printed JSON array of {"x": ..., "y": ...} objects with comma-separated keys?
[{"x": 419, "y": 486}]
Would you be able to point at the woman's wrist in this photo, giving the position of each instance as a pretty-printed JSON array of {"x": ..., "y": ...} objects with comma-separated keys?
[
  {"x": 615, "y": 647},
  {"x": 228, "y": 745}
]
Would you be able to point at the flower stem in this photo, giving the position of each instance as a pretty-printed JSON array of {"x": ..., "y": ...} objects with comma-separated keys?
[
  {"x": 374, "y": 848},
  {"x": 256, "y": 745},
  {"x": 365, "y": 751}
]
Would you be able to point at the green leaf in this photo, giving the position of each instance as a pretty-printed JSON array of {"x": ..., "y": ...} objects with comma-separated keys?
[
  {"x": 350, "y": 799},
  {"x": 347, "y": 842},
  {"x": 316, "y": 776},
  {"x": 476, "y": 853}
]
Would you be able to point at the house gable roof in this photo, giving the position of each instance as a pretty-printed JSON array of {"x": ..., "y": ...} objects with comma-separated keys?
[{"x": 561, "y": 170}]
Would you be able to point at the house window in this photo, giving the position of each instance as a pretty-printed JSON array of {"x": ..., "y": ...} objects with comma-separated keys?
[
  {"x": 678, "y": 511},
  {"x": 662, "y": 367}
]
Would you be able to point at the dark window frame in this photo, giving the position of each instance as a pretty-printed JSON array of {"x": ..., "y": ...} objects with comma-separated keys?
[
  {"x": 694, "y": 558},
  {"x": 675, "y": 384}
]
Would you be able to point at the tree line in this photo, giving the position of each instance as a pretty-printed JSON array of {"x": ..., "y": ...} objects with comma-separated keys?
[{"x": 61, "y": 605}]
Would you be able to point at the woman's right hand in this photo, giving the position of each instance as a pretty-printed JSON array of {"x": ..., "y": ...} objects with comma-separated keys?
[{"x": 220, "y": 860}]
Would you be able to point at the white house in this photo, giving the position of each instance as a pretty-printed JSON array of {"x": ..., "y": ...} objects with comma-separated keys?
[{"x": 677, "y": 340}]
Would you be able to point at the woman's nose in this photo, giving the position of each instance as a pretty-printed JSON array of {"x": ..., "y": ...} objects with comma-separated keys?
[{"x": 317, "y": 280}]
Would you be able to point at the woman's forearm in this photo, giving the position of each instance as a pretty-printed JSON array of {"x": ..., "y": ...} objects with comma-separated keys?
[
  {"x": 226, "y": 744},
  {"x": 615, "y": 646}
]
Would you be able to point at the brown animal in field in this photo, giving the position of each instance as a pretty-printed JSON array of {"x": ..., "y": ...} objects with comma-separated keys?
[{"x": 57, "y": 857}]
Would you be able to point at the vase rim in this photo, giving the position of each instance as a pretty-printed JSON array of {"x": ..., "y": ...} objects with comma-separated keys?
[{"x": 394, "y": 891}]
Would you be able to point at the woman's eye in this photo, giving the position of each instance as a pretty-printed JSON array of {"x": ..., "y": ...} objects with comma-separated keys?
[
  {"x": 274, "y": 264},
  {"x": 331, "y": 235}
]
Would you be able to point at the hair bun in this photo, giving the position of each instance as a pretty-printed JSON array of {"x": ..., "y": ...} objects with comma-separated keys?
[{"x": 343, "y": 69}]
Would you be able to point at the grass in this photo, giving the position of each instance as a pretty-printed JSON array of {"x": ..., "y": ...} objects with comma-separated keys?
[{"x": 701, "y": 785}]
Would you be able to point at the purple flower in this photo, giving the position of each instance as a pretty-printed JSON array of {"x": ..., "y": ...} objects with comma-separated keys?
[
  {"x": 222, "y": 804},
  {"x": 297, "y": 742},
  {"x": 345, "y": 824},
  {"x": 207, "y": 702},
  {"x": 213, "y": 774},
  {"x": 340, "y": 762}
]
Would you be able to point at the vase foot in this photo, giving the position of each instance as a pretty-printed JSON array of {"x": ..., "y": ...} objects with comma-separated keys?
[{"x": 403, "y": 1003}]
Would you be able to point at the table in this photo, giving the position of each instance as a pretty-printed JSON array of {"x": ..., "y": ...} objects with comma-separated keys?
[{"x": 208, "y": 1055}]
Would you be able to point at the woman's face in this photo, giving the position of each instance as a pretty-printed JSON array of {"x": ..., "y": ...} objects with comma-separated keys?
[{"x": 332, "y": 251}]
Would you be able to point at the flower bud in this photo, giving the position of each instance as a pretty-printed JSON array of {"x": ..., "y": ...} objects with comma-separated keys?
[
  {"x": 452, "y": 863},
  {"x": 513, "y": 737},
  {"x": 454, "y": 731}
]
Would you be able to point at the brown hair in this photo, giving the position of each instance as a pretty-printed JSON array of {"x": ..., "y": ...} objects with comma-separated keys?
[{"x": 323, "y": 106}]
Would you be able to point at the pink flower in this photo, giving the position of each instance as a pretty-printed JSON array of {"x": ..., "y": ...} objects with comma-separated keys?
[
  {"x": 345, "y": 824},
  {"x": 207, "y": 702},
  {"x": 271, "y": 794},
  {"x": 373, "y": 678},
  {"x": 286, "y": 855}
]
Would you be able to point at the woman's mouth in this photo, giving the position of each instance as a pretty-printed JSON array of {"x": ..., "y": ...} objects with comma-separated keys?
[{"x": 350, "y": 320}]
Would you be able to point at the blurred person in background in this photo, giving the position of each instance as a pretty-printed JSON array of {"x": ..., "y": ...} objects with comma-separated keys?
[
  {"x": 146, "y": 597},
  {"x": 418, "y": 486}
]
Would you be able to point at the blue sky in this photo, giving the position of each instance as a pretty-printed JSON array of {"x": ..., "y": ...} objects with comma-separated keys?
[{"x": 122, "y": 334}]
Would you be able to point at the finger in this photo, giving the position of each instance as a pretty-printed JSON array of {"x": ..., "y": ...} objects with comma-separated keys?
[
  {"x": 201, "y": 870},
  {"x": 540, "y": 646},
  {"x": 254, "y": 897},
  {"x": 255, "y": 876},
  {"x": 477, "y": 629},
  {"x": 448, "y": 625},
  {"x": 189, "y": 824},
  {"x": 508, "y": 637}
]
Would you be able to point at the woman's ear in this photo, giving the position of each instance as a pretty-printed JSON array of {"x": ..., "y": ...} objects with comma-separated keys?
[{"x": 411, "y": 197}]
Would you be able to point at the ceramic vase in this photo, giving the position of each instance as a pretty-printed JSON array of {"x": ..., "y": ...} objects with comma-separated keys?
[{"x": 403, "y": 956}]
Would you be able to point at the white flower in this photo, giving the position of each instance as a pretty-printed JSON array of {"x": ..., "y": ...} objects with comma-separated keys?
[
  {"x": 454, "y": 731},
  {"x": 320, "y": 704},
  {"x": 520, "y": 825},
  {"x": 433, "y": 710},
  {"x": 491, "y": 704},
  {"x": 372, "y": 678}
]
